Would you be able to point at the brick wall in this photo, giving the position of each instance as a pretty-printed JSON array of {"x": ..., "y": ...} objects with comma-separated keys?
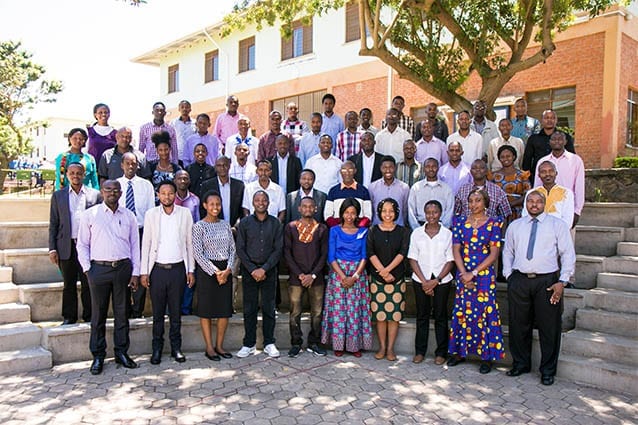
[{"x": 628, "y": 79}]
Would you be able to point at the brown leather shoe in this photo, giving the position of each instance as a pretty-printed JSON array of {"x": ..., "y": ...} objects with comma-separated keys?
[
  {"x": 439, "y": 360},
  {"x": 418, "y": 358}
]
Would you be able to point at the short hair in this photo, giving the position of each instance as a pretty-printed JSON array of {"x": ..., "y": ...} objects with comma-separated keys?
[
  {"x": 367, "y": 133},
  {"x": 327, "y": 136},
  {"x": 409, "y": 141},
  {"x": 388, "y": 158},
  {"x": 547, "y": 163},
  {"x": 161, "y": 137},
  {"x": 347, "y": 203},
  {"x": 398, "y": 97},
  {"x": 431, "y": 159},
  {"x": 328, "y": 96},
  {"x": 129, "y": 155},
  {"x": 350, "y": 113},
  {"x": 393, "y": 110},
  {"x": 558, "y": 133},
  {"x": 167, "y": 182},
  {"x": 504, "y": 120},
  {"x": 75, "y": 164},
  {"x": 506, "y": 148},
  {"x": 261, "y": 192},
  {"x": 200, "y": 144},
  {"x": 264, "y": 161},
  {"x": 395, "y": 207},
  {"x": 273, "y": 112},
  {"x": 308, "y": 170},
  {"x": 464, "y": 111},
  {"x": 208, "y": 194},
  {"x": 536, "y": 192},
  {"x": 282, "y": 136},
  {"x": 100, "y": 105},
  {"x": 435, "y": 203},
  {"x": 203, "y": 115},
  {"x": 316, "y": 115},
  {"x": 184, "y": 102},
  {"x": 78, "y": 130},
  {"x": 520, "y": 100},
  {"x": 308, "y": 198},
  {"x": 365, "y": 109},
  {"x": 159, "y": 103},
  {"x": 484, "y": 195},
  {"x": 223, "y": 158}
]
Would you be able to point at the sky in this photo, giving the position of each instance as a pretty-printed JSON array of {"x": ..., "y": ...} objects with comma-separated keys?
[{"x": 89, "y": 44}]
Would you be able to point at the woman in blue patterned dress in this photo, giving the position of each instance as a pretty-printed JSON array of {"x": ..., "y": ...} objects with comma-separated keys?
[
  {"x": 77, "y": 139},
  {"x": 346, "y": 320},
  {"x": 476, "y": 325}
]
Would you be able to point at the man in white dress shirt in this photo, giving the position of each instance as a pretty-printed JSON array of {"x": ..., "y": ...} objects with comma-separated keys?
[{"x": 277, "y": 196}]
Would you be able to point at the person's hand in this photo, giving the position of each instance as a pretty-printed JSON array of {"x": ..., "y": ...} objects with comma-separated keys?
[
  {"x": 135, "y": 281},
  {"x": 258, "y": 274},
  {"x": 557, "y": 292},
  {"x": 347, "y": 282},
  {"x": 306, "y": 280},
  {"x": 53, "y": 257},
  {"x": 388, "y": 278},
  {"x": 190, "y": 279},
  {"x": 144, "y": 281},
  {"x": 429, "y": 286},
  {"x": 466, "y": 278}
]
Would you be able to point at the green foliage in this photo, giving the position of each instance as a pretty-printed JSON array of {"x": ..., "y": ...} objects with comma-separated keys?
[{"x": 626, "y": 162}]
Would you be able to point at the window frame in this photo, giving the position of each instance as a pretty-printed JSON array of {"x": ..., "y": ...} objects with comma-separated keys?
[
  {"x": 291, "y": 48},
  {"x": 173, "y": 78},
  {"x": 245, "y": 46},
  {"x": 211, "y": 72}
]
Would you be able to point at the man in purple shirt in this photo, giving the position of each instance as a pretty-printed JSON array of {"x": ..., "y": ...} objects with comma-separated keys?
[
  {"x": 390, "y": 187},
  {"x": 202, "y": 136},
  {"x": 226, "y": 124},
  {"x": 158, "y": 124},
  {"x": 108, "y": 248},
  {"x": 267, "y": 142}
]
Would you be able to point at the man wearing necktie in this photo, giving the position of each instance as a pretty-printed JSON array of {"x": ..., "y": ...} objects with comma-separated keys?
[{"x": 538, "y": 260}]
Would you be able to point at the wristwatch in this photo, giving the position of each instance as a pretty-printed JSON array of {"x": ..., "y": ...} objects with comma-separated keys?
[
  {"x": 314, "y": 276},
  {"x": 564, "y": 283},
  {"x": 474, "y": 272}
]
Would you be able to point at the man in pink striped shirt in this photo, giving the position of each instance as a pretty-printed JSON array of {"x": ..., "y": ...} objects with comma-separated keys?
[
  {"x": 158, "y": 124},
  {"x": 571, "y": 171},
  {"x": 226, "y": 124}
]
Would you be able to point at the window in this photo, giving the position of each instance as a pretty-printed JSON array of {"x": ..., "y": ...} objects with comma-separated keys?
[
  {"x": 352, "y": 21},
  {"x": 211, "y": 66},
  {"x": 632, "y": 118},
  {"x": 247, "y": 54},
  {"x": 307, "y": 104},
  {"x": 561, "y": 100},
  {"x": 173, "y": 78},
  {"x": 299, "y": 43}
]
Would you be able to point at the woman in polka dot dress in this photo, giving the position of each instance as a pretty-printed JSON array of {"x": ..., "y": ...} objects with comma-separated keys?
[
  {"x": 476, "y": 325},
  {"x": 387, "y": 247}
]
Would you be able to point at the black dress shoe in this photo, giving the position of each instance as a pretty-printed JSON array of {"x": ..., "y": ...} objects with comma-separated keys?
[
  {"x": 214, "y": 357},
  {"x": 454, "y": 360},
  {"x": 547, "y": 379},
  {"x": 178, "y": 356},
  {"x": 486, "y": 367},
  {"x": 225, "y": 355},
  {"x": 97, "y": 366},
  {"x": 516, "y": 372},
  {"x": 125, "y": 361},
  {"x": 156, "y": 357},
  {"x": 69, "y": 322}
]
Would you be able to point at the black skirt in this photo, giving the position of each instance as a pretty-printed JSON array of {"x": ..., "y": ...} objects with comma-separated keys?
[{"x": 214, "y": 301}]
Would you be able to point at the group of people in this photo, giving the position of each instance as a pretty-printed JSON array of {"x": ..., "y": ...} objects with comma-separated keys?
[{"x": 349, "y": 211}]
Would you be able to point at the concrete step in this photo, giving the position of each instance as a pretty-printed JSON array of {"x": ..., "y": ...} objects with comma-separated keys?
[
  {"x": 612, "y": 348},
  {"x": 25, "y": 209},
  {"x": 627, "y": 248},
  {"x": 631, "y": 234},
  {"x": 621, "y": 264},
  {"x": 598, "y": 240},
  {"x": 620, "y": 281},
  {"x": 14, "y": 312},
  {"x": 636, "y": 221},
  {"x": 624, "y": 324},
  {"x": 9, "y": 293},
  {"x": 599, "y": 373},
  {"x": 24, "y": 234},
  {"x": 614, "y": 214},
  {"x": 587, "y": 269},
  {"x": 26, "y": 360},
  {"x": 612, "y": 300},
  {"x": 31, "y": 265},
  {"x": 6, "y": 273},
  {"x": 18, "y": 336}
]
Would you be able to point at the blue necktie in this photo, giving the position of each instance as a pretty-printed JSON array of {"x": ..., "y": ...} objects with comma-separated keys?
[
  {"x": 130, "y": 197},
  {"x": 532, "y": 239}
]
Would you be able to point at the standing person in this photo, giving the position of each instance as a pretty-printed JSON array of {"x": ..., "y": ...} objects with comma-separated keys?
[
  {"x": 429, "y": 146},
  {"x": 293, "y": 127},
  {"x": 276, "y": 195},
  {"x": 409, "y": 170},
  {"x": 306, "y": 189},
  {"x": 230, "y": 190},
  {"x": 326, "y": 166},
  {"x": 101, "y": 135},
  {"x": 162, "y": 169},
  {"x": 349, "y": 188},
  {"x": 139, "y": 197},
  {"x": 498, "y": 205},
  {"x": 559, "y": 201},
  {"x": 455, "y": 173},
  {"x": 77, "y": 139},
  {"x": 367, "y": 161},
  {"x": 390, "y": 187},
  {"x": 331, "y": 123},
  {"x": 242, "y": 137},
  {"x": 305, "y": 253},
  {"x": 486, "y": 128},
  {"x": 471, "y": 141},
  {"x": 390, "y": 140},
  {"x": 167, "y": 266},
  {"x": 404, "y": 121},
  {"x": 538, "y": 146},
  {"x": 240, "y": 166},
  {"x": 365, "y": 123},
  {"x": 199, "y": 171},
  {"x": 309, "y": 141},
  {"x": 505, "y": 139},
  {"x": 349, "y": 140},
  {"x": 513, "y": 181},
  {"x": 67, "y": 206},
  {"x": 157, "y": 125},
  {"x": 268, "y": 140},
  {"x": 227, "y": 122},
  {"x": 432, "y": 188},
  {"x": 523, "y": 125},
  {"x": 476, "y": 324},
  {"x": 202, "y": 137},
  {"x": 184, "y": 128},
  {"x": 285, "y": 167},
  {"x": 214, "y": 252},
  {"x": 108, "y": 249},
  {"x": 110, "y": 164},
  {"x": 387, "y": 246},
  {"x": 431, "y": 260},
  {"x": 346, "y": 314},
  {"x": 259, "y": 247},
  {"x": 441, "y": 131},
  {"x": 536, "y": 278}
]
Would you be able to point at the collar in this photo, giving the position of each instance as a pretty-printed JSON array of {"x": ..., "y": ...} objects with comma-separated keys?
[
  {"x": 352, "y": 186},
  {"x": 302, "y": 194},
  {"x": 188, "y": 195},
  {"x": 284, "y": 158},
  {"x": 106, "y": 209},
  {"x": 541, "y": 217},
  {"x": 563, "y": 155},
  {"x": 81, "y": 191}
]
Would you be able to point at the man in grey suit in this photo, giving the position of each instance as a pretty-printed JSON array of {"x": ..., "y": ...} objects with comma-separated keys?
[
  {"x": 293, "y": 199},
  {"x": 66, "y": 207}
]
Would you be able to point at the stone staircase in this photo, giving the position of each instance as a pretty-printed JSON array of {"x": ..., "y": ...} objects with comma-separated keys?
[{"x": 600, "y": 318}]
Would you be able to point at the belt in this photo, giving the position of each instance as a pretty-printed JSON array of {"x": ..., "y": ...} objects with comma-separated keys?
[
  {"x": 168, "y": 266},
  {"x": 534, "y": 275},
  {"x": 113, "y": 264}
]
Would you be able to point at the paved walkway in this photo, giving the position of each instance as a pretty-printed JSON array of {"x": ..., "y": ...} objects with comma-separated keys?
[{"x": 305, "y": 390}]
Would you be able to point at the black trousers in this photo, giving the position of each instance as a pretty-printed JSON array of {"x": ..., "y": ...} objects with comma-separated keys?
[
  {"x": 138, "y": 298},
  {"x": 528, "y": 305},
  {"x": 251, "y": 290},
  {"x": 167, "y": 288},
  {"x": 71, "y": 273},
  {"x": 106, "y": 282},
  {"x": 424, "y": 304}
]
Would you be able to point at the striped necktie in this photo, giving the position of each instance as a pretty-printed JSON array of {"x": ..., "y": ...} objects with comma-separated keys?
[{"x": 130, "y": 197}]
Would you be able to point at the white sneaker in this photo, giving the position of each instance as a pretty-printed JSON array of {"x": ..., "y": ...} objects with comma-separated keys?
[
  {"x": 246, "y": 351},
  {"x": 271, "y": 350}
]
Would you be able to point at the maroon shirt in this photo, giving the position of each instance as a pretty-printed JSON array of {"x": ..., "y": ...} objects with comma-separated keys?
[{"x": 305, "y": 258}]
